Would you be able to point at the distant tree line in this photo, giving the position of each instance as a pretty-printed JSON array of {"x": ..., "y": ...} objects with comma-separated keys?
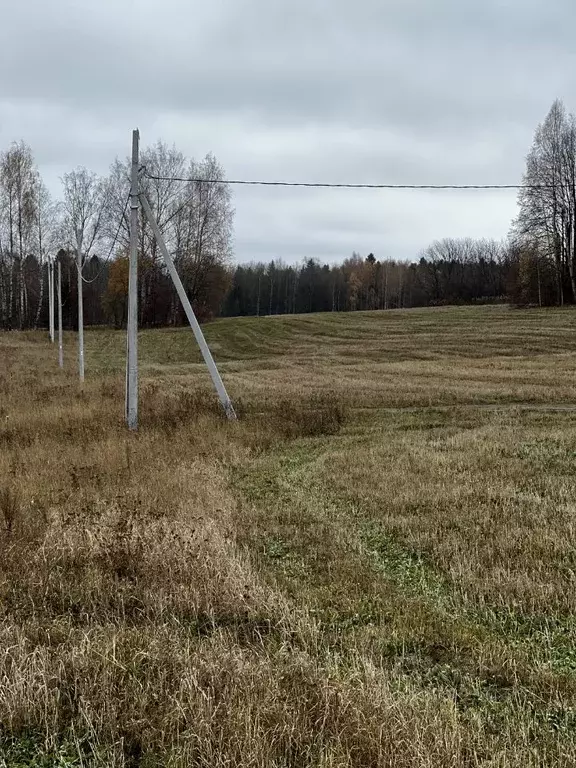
[
  {"x": 448, "y": 272},
  {"x": 535, "y": 266}
]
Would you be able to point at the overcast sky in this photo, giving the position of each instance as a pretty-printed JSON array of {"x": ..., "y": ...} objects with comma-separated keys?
[{"x": 376, "y": 91}]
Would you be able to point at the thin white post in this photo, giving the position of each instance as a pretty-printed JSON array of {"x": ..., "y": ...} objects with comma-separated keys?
[
  {"x": 49, "y": 275},
  {"x": 132, "y": 329},
  {"x": 204, "y": 348},
  {"x": 60, "y": 341},
  {"x": 79, "y": 238},
  {"x": 53, "y": 294},
  {"x": 51, "y": 300}
]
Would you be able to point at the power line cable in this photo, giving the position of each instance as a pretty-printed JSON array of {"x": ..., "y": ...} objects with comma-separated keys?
[{"x": 329, "y": 185}]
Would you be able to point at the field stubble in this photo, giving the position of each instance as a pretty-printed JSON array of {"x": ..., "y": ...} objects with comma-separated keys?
[{"x": 368, "y": 569}]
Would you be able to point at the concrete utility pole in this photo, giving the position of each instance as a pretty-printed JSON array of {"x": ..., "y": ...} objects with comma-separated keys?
[
  {"x": 51, "y": 300},
  {"x": 79, "y": 239},
  {"x": 206, "y": 354},
  {"x": 132, "y": 331},
  {"x": 60, "y": 343}
]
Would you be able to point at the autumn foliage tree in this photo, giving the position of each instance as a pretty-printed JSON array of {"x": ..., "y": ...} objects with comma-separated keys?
[{"x": 116, "y": 297}]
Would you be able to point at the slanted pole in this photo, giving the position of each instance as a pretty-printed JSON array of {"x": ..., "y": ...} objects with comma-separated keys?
[{"x": 204, "y": 348}]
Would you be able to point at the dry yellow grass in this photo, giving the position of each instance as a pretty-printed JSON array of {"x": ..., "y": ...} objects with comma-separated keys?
[{"x": 372, "y": 568}]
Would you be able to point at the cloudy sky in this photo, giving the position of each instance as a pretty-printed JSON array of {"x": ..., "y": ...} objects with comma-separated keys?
[{"x": 363, "y": 91}]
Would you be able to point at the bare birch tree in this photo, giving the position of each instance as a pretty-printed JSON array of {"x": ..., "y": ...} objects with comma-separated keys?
[
  {"x": 17, "y": 178},
  {"x": 195, "y": 219},
  {"x": 47, "y": 232},
  {"x": 84, "y": 218},
  {"x": 548, "y": 198}
]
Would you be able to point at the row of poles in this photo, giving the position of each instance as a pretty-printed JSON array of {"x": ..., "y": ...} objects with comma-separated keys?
[{"x": 137, "y": 199}]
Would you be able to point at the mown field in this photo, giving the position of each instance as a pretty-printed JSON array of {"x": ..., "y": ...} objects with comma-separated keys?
[{"x": 375, "y": 566}]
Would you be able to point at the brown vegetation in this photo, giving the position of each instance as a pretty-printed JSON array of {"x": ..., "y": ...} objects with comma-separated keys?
[{"x": 372, "y": 568}]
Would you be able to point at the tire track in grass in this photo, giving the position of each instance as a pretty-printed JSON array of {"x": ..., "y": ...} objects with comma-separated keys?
[{"x": 371, "y": 595}]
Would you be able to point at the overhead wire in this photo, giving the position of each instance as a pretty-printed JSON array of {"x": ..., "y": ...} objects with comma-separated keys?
[{"x": 330, "y": 185}]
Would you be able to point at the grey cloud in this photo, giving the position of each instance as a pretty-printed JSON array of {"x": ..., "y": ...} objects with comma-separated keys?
[
  {"x": 422, "y": 66},
  {"x": 399, "y": 91},
  {"x": 331, "y": 225}
]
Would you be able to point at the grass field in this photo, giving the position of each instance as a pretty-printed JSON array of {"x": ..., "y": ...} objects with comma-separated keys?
[{"x": 376, "y": 566}]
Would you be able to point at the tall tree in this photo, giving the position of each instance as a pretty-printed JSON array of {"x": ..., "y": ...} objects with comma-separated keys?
[
  {"x": 195, "y": 219},
  {"x": 17, "y": 178},
  {"x": 84, "y": 217},
  {"x": 547, "y": 199},
  {"x": 202, "y": 235},
  {"x": 47, "y": 230}
]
